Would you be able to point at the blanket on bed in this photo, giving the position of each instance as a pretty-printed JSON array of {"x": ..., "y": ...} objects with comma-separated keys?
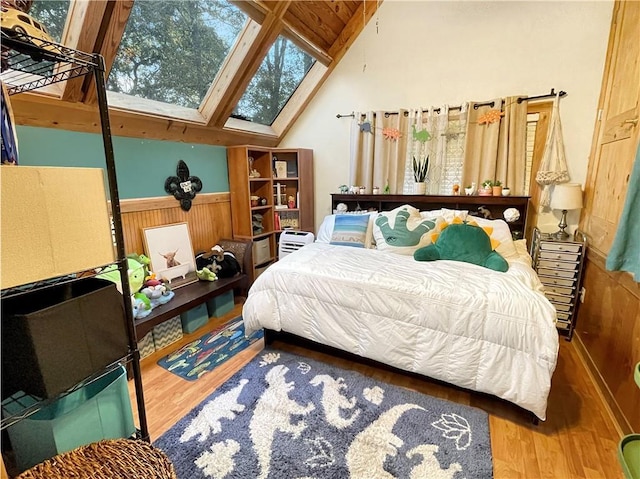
[{"x": 457, "y": 322}]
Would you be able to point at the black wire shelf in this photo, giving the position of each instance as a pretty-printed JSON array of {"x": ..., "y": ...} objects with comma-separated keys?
[{"x": 29, "y": 63}]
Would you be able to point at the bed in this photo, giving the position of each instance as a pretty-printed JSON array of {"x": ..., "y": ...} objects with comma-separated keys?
[{"x": 479, "y": 329}]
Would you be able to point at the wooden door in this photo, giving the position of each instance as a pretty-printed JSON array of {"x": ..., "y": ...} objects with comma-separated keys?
[{"x": 616, "y": 131}]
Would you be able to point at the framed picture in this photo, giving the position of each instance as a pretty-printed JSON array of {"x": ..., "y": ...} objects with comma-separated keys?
[{"x": 171, "y": 253}]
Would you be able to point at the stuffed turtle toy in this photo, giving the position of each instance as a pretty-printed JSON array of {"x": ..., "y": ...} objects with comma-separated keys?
[{"x": 465, "y": 242}]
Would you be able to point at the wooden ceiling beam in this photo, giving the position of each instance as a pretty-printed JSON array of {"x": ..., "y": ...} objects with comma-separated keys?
[
  {"x": 111, "y": 31},
  {"x": 351, "y": 31},
  {"x": 35, "y": 110},
  {"x": 81, "y": 33}
]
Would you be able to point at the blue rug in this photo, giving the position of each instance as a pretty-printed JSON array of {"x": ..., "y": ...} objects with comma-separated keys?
[
  {"x": 199, "y": 357},
  {"x": 286, "y": 416}
]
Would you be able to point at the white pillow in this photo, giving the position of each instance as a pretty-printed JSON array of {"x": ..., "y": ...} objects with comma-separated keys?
[
  {"x": 325, "y": 232},
  {"x": 431, "y": 214},
  {"x": 502, "y": 233},
  {"x": 403, "y": 230},
  {"x": 449, "y": 215}
]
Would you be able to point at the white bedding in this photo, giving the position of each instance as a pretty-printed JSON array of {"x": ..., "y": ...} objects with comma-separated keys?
[{"x": 457, "y": 322}]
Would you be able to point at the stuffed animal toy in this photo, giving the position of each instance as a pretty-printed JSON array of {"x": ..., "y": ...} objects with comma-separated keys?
[
  {"x": 221, "y": 263},
  {"x": 226, "y": 263},
  {"x": 136, "y": 271},
  {"x": 463, "y": 242}
]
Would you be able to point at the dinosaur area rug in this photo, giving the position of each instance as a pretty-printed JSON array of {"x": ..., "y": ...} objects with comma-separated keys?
[
  {"x": 284, "y": 416},
  {"x": 199, "y": 357}
]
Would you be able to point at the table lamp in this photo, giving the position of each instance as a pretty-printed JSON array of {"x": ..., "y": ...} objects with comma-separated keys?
[{"x": 566, "y": 196}]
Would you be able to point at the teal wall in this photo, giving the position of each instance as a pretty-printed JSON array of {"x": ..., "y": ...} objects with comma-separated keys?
[{"x": 142, "y": 166}]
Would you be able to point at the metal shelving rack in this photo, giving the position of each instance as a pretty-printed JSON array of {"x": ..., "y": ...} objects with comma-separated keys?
[{"x": 29, "y": 64}]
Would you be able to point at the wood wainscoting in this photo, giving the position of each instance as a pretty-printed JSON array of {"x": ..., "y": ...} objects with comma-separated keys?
[
  {"x": 608, "y": 337},
  {"x": 209, "y": 219}
]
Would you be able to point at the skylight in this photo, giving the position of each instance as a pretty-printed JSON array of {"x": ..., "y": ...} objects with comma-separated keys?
[
  {"x": 171, "y": 51},
  {"x": 280, "y": 73}
]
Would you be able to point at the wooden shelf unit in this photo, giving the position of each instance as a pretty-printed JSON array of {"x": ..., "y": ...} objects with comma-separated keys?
[{"x": 298, "y": 183}]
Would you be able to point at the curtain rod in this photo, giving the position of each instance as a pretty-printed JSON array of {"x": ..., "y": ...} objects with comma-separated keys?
[
  {"x": 389, "y": 113},
  {"x": 561, "y": 93}
]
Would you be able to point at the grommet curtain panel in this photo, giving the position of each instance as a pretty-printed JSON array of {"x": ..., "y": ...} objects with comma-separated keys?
[
  {"x": 497, "y": 150},
  {"x": 427, "y": 137},
  {"x": 374, "y": 155}
]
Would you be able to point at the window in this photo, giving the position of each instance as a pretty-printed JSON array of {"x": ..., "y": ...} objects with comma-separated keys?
[
  {"x": 172, "y": 51},
  {"x": 280, "y": 73}
]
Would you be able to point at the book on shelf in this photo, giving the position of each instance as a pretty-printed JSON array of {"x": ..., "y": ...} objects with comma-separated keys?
[{"x": 280, "y": 168}]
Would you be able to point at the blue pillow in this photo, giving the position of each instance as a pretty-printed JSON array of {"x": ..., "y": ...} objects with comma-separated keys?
[{"x": 350, "y": 230}]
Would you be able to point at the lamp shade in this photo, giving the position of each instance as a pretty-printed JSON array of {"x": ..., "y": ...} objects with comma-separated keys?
[{"x": 567, "y": 196}]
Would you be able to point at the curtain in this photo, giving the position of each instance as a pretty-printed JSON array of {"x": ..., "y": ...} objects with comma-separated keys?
[
  {"x": 377, "y": 156},
  {"x": 496, "y": 147},
  {"x": 435, "y": 121},
  {"x": 512, "y": 147}
]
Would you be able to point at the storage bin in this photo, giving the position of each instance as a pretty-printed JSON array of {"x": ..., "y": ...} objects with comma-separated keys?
[
  {"x": 259, "y": 271},
  {"x": 167, "y": 333},
  {"x": 194, "y": 318},
  {"x": 55, "y": 337},
  {"x": 221, "y": 304},
  {"x": 99, "y": 410},
  {"x": 146, "y": 345},
  {"x": 261, "y": 251}
]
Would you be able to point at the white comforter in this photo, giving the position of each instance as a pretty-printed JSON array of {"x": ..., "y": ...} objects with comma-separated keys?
[{"x": 460, "y": 323}]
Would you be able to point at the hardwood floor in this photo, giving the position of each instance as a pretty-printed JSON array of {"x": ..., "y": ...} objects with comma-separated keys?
[{"x": 578, "y": 439}]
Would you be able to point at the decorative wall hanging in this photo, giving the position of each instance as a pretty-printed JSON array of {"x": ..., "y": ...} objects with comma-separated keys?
[
  {"x": 365, "y": 127},
  {"x": 183, "y": 187},
  {"x": 422, "y": 136},
  {"x": 391, "y": 133},
  {"x": 491, "y": 116}
]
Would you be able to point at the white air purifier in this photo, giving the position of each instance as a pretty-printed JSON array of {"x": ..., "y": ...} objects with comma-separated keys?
[{"x": 291, "y": 241}]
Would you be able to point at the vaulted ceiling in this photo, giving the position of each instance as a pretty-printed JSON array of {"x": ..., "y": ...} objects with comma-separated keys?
[{"x": 323, "y": 29}]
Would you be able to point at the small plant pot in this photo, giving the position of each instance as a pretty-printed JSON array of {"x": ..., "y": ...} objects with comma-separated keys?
[
  {"x": 506, "y": 191},
  {"x": 497, "y": 190},
  {"x": 485, "y": 192},
  {"x": 468, "y": 191},
  {"x": 419, "y": 188}
]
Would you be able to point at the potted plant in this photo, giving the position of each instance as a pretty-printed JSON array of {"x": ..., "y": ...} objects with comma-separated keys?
[
  {"x": 497, "y": 188},
  {"x": 486, "y": 189},
  {"x": 470, "y": 190},
  {"x": 420, "y": 170},
  {"x": 506, "y": 191}
]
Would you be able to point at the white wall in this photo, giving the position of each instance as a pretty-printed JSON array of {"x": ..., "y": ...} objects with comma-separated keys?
[{"x": 431, "y": 53}]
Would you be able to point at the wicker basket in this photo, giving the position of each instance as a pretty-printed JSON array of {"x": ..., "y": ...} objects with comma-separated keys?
[{"x": 109, "y": 459}]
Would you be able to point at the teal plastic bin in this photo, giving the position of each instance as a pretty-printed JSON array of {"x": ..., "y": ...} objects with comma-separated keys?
[
  {"x": 99, "y": 410},
  {"x": 194, "y": 318},
  {"x": 221, "y": 304}
]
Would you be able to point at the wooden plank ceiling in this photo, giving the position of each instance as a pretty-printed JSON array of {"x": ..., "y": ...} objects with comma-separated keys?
[{"x": 324, "y": 29}]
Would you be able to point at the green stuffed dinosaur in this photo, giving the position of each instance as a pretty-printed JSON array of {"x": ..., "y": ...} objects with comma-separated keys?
[
  {"x": 400, "y": 235},
  {"x": 463, "y": 242},
  {"x": 136, "y": 275}
]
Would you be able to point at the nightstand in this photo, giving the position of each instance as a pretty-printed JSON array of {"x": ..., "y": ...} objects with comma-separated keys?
[{"x": 559, "y": 264}]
